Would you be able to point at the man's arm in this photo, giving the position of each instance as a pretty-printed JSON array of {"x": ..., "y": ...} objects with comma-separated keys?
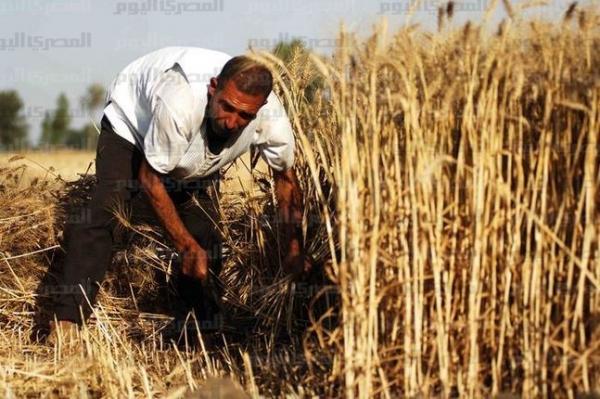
[
  {"x": 290, "y": 210},
  {"x": 194, "y": 256}
]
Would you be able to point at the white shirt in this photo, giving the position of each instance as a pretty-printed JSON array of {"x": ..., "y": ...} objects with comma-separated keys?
[{"x": 158, "y": 102}]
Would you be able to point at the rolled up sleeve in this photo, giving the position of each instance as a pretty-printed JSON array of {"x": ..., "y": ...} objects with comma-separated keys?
[{"x": 276, "y": 138}]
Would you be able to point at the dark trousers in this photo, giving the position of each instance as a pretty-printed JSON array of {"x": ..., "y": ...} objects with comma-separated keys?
[{"x": 89, "y": 240}]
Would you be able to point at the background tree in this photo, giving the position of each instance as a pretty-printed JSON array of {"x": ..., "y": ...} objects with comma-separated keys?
[
  {"x": 93, "y": 97},
  {"x": 61, "y": 121},
  {"x": 13, "y": 129},
  {"x": 46, "y": 128},
  {"x": 92, "y": 101},
  {"x": 55, "y": 126}
]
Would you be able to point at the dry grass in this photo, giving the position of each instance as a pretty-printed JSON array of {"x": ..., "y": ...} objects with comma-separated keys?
[
  {"x": 452, "y": 201},
  {"x": 68, "y": 164}
]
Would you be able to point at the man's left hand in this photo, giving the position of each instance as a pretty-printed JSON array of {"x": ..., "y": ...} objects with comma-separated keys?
[{"x": 297, "y": 264}]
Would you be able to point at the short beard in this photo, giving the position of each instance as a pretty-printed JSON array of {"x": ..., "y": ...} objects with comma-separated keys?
[
  {"x": 211, "y": 124},
  {"x": 214, "y": 132}
]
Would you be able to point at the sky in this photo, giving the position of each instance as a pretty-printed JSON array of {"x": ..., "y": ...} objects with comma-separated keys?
[{"x": 53, "y": 46}]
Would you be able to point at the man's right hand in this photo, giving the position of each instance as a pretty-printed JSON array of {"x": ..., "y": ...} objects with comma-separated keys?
[
  {"x": 194, "y": 262},
  {"x": 194, "y": 258}
]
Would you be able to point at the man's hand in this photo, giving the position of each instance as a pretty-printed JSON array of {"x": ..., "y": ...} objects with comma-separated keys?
[
  {"x": 194, "y": 262},
  {"x": 194, "y": 257},
  {"x": 289, "y": 199},
  {"x": 297, "y": 264}
]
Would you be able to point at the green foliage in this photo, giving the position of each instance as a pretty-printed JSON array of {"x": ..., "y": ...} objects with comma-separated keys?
[
  {"x": 93, "y": 98},
  {"x": 13, "y": 129},
  {"x": 56, "y": 130},
  {"x": 84, "y": 138},
  {"x": 61, "y": 120},
  {"x": 55, "y": 126}
]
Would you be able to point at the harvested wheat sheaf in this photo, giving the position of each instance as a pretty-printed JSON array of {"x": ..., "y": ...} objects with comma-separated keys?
[{"x": 452, "y": 207}]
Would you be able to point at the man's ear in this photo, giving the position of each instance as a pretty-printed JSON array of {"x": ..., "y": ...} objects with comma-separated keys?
[{"x": 212, "y": 87}]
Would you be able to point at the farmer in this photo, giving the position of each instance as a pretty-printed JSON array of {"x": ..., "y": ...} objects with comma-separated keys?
[{"x": 173, "y": 118}]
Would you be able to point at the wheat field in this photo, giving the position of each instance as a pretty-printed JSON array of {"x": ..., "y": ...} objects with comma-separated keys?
[
  {"x": 64, "y": 164},
  {"x": 451, "y": 183}
]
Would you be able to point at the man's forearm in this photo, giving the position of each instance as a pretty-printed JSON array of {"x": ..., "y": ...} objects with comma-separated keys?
[
  {"x": 164, "y": 207},
  {"x": 290, "y": 209}
]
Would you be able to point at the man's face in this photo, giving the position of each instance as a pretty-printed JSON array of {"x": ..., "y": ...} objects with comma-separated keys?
[{"x": 230, "y": 110}]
